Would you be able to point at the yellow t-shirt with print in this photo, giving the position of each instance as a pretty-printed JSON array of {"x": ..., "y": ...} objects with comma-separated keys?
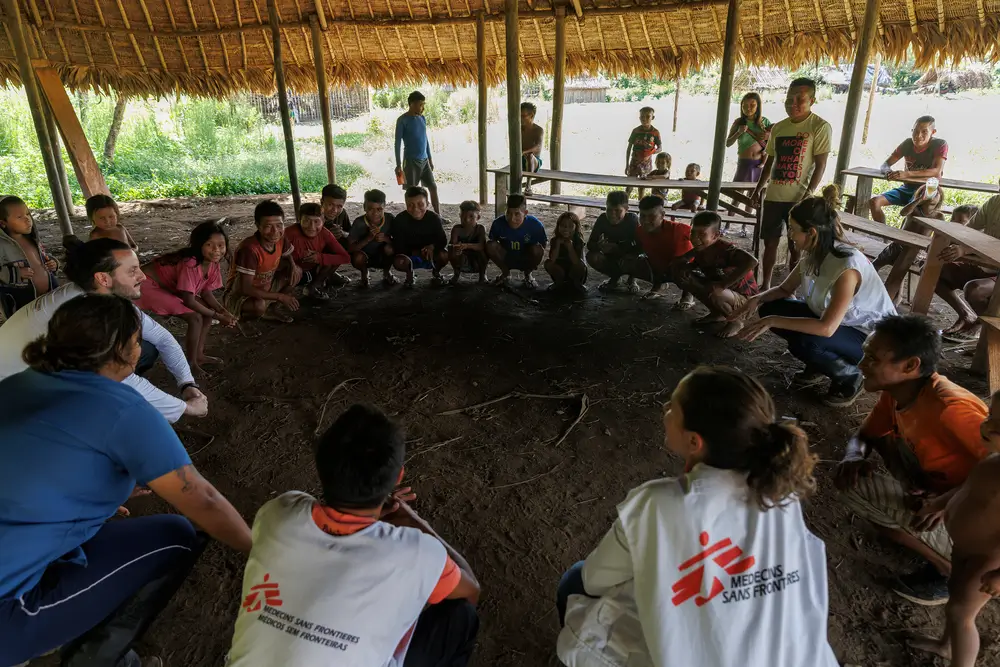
[{"x": 794, "y": 147}]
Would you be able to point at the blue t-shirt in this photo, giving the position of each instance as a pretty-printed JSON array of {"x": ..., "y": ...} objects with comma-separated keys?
[
  {"x": 73, "y": 445},
  {"x": 531, "y": 232},
  {"x": 412, "y": 132}
]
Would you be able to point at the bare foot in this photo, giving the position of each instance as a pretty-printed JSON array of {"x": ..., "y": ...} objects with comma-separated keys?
[
  {"x": 684, "y": 304},
  {"x": 923, "y": 642},
  {"x": 731, "y": 329},
  {"x": 710, "y": 318},
  {"x": 274, "y": 315},
  {"x": 206, "y": 359},
  {"x": 961, "y": 324},
  {"x": 198, "y": 372}
]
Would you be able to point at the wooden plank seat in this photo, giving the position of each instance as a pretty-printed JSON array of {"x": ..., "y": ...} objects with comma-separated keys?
[
  {"x": 598, "y": 203},
  {"x": 885, "y": 232}
]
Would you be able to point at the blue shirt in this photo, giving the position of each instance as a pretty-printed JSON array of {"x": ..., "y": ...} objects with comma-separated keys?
[
  {"x": 412, "y": 131},
  {"x": 531, "y": 232},
  {"x": 73, "y": 445}
]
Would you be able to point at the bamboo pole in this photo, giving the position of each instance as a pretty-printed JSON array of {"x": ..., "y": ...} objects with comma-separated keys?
[
  {"x": 483, "y": 110},
  {"x": 64, "y": 189},
  {"x": 677, "y": 99},
  {"x": 286, "y": 121},
  {"x": 558, "y": 96},
  {"x": 856, "y": 90},
  {"x": 729, "y": 55},
  {"x": 871, "y": 98},
  {"x": 16, "y": 28},
  {"x": 324, "y": 98},
  {"x": 513, "y": 97}
]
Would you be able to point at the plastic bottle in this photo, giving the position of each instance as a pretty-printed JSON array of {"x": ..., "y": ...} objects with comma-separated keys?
[{"x": 931, "y": 188}]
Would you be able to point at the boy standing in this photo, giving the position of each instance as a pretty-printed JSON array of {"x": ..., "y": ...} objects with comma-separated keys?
[
  {"x": 923, "y": 157},
  {"x": 417, "y": 166},
  {"x": 315, "y": 251},
  {"x": 419, "y": 239},
  {"x": 665, "y": 245},
  {"x": 690, "y": 198},
  {"x": 468, "y": 244},
  {"x": 356, "y": 577},
  {"x": 531, "y": 143},
  {"x": 612, "y": 242},
  {"x": 797, "y": 152},
  {"x": 370, "y": 241},
  {"x": 517, "y": 241},
  {"x": 263, "y": 271},
  {"x": 643, "y": 143}
]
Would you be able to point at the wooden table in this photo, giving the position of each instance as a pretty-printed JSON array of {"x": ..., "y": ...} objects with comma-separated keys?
[
  {"x": 866, "y": 175},
  {"x": 985, "y": 249}
]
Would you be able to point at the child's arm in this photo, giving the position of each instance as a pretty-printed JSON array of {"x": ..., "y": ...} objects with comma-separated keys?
[
  {"x": 574, "y": 250},
  {"x": 468, "y": 587},
  {"x": 740, "y": 263},
  {"x": 454, "y": 239},
  {"x": 554, "y": 248},
  {"x": 735, "y": 131},
  {"x": 223, "y": 315},
  {"x": 893, "y": 158},
  {"x": 333, "y": 253},
  {"x": 628, "y": 154},
  {"x": 478, "y": 240},
  {"x": 128, "y": 238}
]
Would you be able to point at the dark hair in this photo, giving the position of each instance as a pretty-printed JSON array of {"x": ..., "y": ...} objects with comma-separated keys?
[
  {"x": 803, "y": 81},
  {"x": 529, "y": 107},
  {"x": 695, "y": 165},
  {"x": 912, "y": 336},
  {"x": 820, "y": 213},
  {"x": 359, "y": 458},
  {"x": 650, "y": 202},
  {"x": 85, "y": 334},
  {"x": 6, "y": 203},
  {"x": 469, "y": 205},
  {"x": 669, "y": 159},
  {"x": 375, "y": 197},
  {"x": 333, "y": 191},
  {"x": 266, "y": 209},
  {"x": 965, "y": 209},
  {"x": 310, "y": 210},
  {"x": 706, "y": 219},
  {"x": 649, "y": 109},
  {"x": 925, "y": 119},
  {"x": 416, "y": 191},
  {"x": 735, "y": 416},
  {"x": 573, "y": 217},
  {"x": 83, "y": 260},
  {"x": 617, "y": 198},
  {"x": 200, "y": 235},
  {"x": 517, "y": 201},
  {"x": 97, "y": 202},
  {"x": 415, "y": 96},
  {"x": 760, "y": 105}
]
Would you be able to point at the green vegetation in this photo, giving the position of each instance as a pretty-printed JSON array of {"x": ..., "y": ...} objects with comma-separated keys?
[
  {"x": 443, "y": 106},
  {"x": 187, "y": 148}
]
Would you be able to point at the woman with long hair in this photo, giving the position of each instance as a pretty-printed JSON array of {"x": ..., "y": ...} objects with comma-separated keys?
[
  {"x": 839, "y": 299},
  {"x": 74, "y": 443},
  {"x": 715, "y": 566},
  {"x": 750, "y": 133}
]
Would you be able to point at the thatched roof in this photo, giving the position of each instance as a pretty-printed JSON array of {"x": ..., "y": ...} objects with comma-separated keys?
[
  {"x": 762, "y": 78},
  {"x": 216, "y": 47},
  {"x": 964, "y": 79}
]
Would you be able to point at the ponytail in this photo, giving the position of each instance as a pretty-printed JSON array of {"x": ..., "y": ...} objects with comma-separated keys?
[
  {"x": 782, "y": 466},
  {"x": 820, "y": 213}
]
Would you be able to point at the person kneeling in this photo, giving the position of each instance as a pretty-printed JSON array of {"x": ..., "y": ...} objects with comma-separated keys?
[
  {"x": 370, "y": 241},
  {"x": 517, "y": 242},
  {"x": 720, "y": 275},
  {"x": 665, "y": 245},
  {"x": 359, "y": 566},
  {"x": 565, "y": 263},
  {"x": 612, "y": 242},
  {"x": 468, "y": 244},
  {"x": 316, "y": 251},
  {"x": 419, "y": 239}
]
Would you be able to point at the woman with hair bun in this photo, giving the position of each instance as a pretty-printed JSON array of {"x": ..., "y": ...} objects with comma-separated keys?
[
  {"x": 715, "y": 567},
  {"x": 827, "y": 305},
  {"x": 75, "y": 440}
]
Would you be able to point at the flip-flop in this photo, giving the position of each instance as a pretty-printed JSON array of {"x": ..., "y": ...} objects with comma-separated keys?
[{"x": 963, "y": 336}]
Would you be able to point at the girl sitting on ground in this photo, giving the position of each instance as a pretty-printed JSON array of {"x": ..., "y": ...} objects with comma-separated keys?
[
  {"x": 565, "y": 263},
  {"x": 103, "y": 213},
  {"x": 26, "y": 270},
  {"x": 182, "y": 283},
  {"x": 716, "y": 565},
  {"x": 900, "y": 257}
]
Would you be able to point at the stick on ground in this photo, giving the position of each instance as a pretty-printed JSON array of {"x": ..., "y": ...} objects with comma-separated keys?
[
  {"x": 333, "y": 391},
  {"x": 584, "y": 406}
]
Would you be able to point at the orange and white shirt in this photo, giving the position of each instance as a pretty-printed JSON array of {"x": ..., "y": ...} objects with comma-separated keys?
[
  {"x": 694, "y": 568},
  {"x": 253, "y": 260},
  {"x": 328, "y": 589}
]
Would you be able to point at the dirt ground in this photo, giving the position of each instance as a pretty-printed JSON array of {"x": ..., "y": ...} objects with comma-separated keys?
[{"x": 493, "y": 481}]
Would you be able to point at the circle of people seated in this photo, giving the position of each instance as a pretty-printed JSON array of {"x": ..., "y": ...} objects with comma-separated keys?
[{"x": 83, "y": 431}]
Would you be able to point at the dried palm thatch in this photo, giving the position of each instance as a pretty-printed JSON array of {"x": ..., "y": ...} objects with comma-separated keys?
[
  {"x": 954, "y": 80},
  {"x": 217, "y": 47}
]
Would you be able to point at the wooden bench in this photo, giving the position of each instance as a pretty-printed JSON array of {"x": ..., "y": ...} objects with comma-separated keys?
[
  {"x": 598, "y": 203},
  {"x": 885, "y": 232},
  {"x": 866, "y": 175}
]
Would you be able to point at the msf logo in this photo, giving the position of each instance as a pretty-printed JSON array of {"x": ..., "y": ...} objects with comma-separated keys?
[
  {"x": 723, "y": 553},
  {"x": 268, "y": 590}
]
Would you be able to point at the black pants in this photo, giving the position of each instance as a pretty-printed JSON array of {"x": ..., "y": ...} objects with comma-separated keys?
[
  {"x": 147, "y": 358},
  {"x": 445, "y": 636}
]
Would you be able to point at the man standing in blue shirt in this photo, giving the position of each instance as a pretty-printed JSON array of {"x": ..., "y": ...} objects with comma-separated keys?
[
  {"x": 517, "y": 241},
  {"x": 417, "y": 167}
]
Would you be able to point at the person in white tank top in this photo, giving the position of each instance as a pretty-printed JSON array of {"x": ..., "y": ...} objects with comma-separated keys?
[
  {"x": 827, "y": 305},
  {"x": 715, "y": 568}
]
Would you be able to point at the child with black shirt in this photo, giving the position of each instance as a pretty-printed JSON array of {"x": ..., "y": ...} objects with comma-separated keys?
[
  {"x": 370, "y": 240},
  {"x": 419, "y": 239},
  {"x": 468, "y": 244},
  {"x": 612, "y": 240},
  {"x": 565, "y": 263}
]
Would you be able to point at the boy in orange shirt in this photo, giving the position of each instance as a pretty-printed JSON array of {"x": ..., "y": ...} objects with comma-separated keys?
[
  {"x": 315, "y": 251},
  {"x": 665, "y": 245},
  {"x": 926, "y": 430}
]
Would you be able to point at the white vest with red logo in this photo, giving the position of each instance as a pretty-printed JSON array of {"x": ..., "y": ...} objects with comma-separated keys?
[{"x": 716, "y": 582}]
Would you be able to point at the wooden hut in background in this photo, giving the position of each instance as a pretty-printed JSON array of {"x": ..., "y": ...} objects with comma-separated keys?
[
  {"x": 581, "y": 90},
  {"x": 221, "y": 47}
]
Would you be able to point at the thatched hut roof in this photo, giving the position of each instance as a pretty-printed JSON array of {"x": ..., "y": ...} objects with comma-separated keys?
[
  {"x": 964, "y": 79},
  {"x": 217, "y": 47},
  {"x": 762, "y": 78}
]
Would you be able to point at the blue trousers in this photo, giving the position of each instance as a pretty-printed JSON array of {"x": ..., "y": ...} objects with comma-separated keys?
[
  {"x": 96, "y": 611},
  {"x": 147, "y": 358},
  {"x": 815, "y": 351},
  {"x": 570, "y": 584}
]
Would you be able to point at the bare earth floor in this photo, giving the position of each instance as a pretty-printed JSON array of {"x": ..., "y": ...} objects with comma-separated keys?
[{"x": 493, "y": 481}]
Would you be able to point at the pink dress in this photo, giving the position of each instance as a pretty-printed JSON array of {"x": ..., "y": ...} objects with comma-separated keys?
[{"x": 165, "y": 281}]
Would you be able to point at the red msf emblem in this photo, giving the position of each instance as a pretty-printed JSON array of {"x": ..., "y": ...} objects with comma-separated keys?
[
  {"x": 272, "y": 596},
  {"x": 726, "y": 555}
]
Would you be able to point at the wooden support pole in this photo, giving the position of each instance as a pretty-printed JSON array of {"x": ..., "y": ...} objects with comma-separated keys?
[
  {"x": 729, "y": 54},
  {"x": 558, "y": 96},
  {"x": 12, "y": 17},
  {"x": 677, "y": 100},
  {"x": 513, "y": 97},
  {"x": 871, "y": 98},
  {"x": 483, "y": 110},
  {"x": 856, "y": 90},
  {"x": 324, "y": 98},
  {"x": 50, "y": 124},
  {"x": 286, "y": 120}
]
